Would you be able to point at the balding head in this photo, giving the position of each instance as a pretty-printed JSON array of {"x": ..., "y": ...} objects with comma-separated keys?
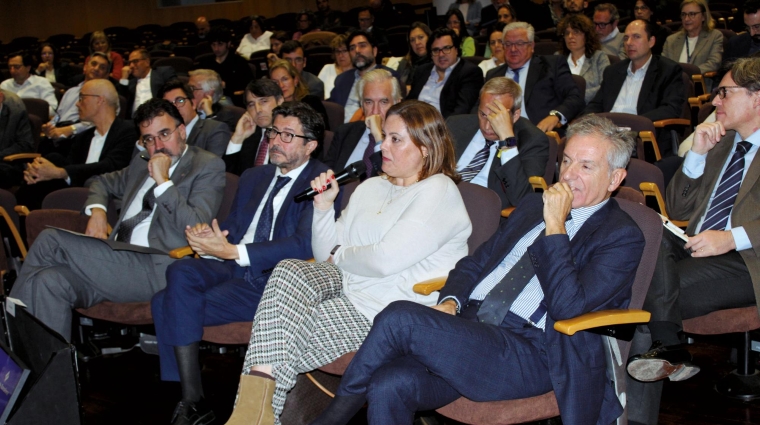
[
  {"x": 202, "y": 26},
  {"x": 98, "y": 98}
]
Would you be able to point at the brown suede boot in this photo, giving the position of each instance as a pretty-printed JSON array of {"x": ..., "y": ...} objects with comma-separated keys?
[{"x": 254, "y": 402}]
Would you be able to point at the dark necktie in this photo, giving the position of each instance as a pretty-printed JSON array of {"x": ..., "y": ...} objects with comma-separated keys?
[
  {"x": 261, "y": 154},
  {"x": 264, "y": 226},
  {"x": 368, "y": 153},
  {"x": 473, "y": 168},
  {"x": 497, "y": 303},
  {"x": 516, "y": 78},
  {"x": 720, "y": 207},
  {"x": 129, "y": 224}
]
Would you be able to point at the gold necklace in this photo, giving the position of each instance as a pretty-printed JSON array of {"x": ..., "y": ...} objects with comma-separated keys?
[{"x": 397, "y": 192}]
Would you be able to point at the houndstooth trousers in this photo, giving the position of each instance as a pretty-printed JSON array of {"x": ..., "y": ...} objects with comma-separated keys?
[{"x": 303, "y": 322}]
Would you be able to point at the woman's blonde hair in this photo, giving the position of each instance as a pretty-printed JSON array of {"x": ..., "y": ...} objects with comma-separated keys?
[{"x": 301, "y": 90}]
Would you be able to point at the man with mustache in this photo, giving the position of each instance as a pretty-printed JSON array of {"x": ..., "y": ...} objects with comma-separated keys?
[{"x": 177, "y": 187}]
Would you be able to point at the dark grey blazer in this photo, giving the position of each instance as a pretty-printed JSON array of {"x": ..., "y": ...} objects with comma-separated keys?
[
  {"x": 509, "y": 181},
  {"x": 15, "y": 129},
  {"x": 210, "y": 135},
  {"x": 344, "y": 142}
]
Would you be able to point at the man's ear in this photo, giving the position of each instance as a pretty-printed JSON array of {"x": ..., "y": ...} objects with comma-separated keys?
[
  {"x": 516, "y": 115},
  {"x": 311, "y": 146},
  {"x": 617, "y": 177}
]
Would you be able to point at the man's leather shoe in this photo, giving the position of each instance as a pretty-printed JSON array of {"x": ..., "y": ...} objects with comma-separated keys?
[
  {"x": 189, "y": 413},
  {"x": 660, "y": 362}
]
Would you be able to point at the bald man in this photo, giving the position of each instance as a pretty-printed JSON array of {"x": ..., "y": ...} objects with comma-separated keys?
[{"x": 102, "y": 149}]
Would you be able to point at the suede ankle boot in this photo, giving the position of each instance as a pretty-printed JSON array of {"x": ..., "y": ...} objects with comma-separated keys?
[{"x": 254, "y": 403}]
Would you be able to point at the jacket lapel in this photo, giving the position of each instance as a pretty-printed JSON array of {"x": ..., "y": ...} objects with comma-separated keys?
[
  {"x": 646, "y": 85},
  {"x": 298, "y": 186},
  {"x": 535, "y": 72},
  {"x": 197, "y": 128},
  {"x": 257, "y": 197}
]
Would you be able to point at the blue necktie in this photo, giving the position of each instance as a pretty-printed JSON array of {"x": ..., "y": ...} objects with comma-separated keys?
[
  {"x": 720, "y": 207},
  {"x": 473, "y": 168},
  {"x": 516, "y": 77},
  {"x": 264, "y": 226}
]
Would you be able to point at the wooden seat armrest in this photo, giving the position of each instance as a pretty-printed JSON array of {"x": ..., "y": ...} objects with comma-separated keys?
[
  {"x": 704, "y": 97},
  {"x": 538, "y": 182},
  {"x": 429, "y": 286},
  {"x": 21, "y": 210},
  {"x": 681, "y": 223},
  {"x": 20, "y": 156},
  {"x": 711, "y": 74},
  {"x": 507, "y": 211},
  {"x": 671, "y": 121},
  {"x": 181, "y": 252},
  {"x": 596, "y": 319}
]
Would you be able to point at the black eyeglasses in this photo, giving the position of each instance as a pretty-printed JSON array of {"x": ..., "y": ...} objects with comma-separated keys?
[
  {"x": 179, "y": 101},
  {"x": 602, "y": 25},
  {"x": 446, "y": 50},
  {"x": 722, "y": 90},
  {"x": 285, "y": 137},
  {"x": 691, "y": 15},
  {"x": 163, "y": 136}
]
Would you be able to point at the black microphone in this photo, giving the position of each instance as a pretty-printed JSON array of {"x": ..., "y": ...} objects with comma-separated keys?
[{"x": 352, "y": 171}]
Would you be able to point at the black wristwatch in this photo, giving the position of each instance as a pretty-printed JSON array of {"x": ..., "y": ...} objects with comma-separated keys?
[{"x": 509, "y": 142}]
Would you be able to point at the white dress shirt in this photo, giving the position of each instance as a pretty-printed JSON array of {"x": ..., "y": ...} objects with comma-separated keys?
[
  {"x": 96, "y": 147},
  {"x": 233, "y": 148},
  {"x": 248, "y": 44},
  {"x": 575, "y": 69},
  {"x": 68, "y": 111},
  {"x": 477, "y": 143},
  {"x": 431, "y": 91},
  {"x": 628, "y": 97},
  {"x": 523, "y": 75},
  {"x": 487, "y": 65},
  {"x": 35, "y": 87},
  {"x": 143, "y": 93}
]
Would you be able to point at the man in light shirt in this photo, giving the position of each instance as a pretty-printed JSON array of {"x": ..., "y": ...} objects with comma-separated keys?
[
  {"x": 139, "y": 83},
  {"x": 176, "y": 187},
  {"x": 606, "y": 17},
  {"x": 27, "y": 85}
]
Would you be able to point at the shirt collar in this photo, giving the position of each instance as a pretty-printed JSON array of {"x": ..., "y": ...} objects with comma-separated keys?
[
  {"x": 147, "y": 77},
  {"x": 753, "y": 138},
  {"x": 643, "y": 69},
  {"x": 580, "y": 215},
  {"x": 611, "y": 35},
  {"x": 294, "y": 173}
]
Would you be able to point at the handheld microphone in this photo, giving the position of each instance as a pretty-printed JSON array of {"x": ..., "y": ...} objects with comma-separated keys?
[{"x": 352, "y": 171}]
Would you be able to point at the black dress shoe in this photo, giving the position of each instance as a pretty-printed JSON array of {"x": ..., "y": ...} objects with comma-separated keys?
[
  {"x": 189, "y": 413},
  {"x": 660, "y": 362}
]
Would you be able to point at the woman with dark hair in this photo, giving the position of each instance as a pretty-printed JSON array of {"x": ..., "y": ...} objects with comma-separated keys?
[
  {"x": 99, "y": 43},
  {"x": 471, "y": 9},
  {"x": 584, "y": 51},
  {"x": 342, "y": 63},
  {"x": 306, "y": 22},
  {"x": 418, "y": 55},
  {"x": 400, "y": 228},
  {"x": 276, "y": 41},
  {"x": 51, "y": 67},
  {"x": 455, "y": 21},
  {"x": 645, "y": 9},
  {"x": 495, "y": 48},
  {"x": 294, "y": 89},
  {"x": 698, "y": 42},
  {"x": 257, "y": 39}
]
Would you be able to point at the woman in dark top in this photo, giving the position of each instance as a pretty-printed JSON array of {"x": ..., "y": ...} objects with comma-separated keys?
[
  {"x": 50, "y": 66},
  {"x": 418, "y": 36},
  {"x": 294, "y": 89},
  {"x": 644, "y": 9}
]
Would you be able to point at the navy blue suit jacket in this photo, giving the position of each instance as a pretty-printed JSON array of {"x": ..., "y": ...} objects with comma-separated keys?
[
  {"x": 345, "y": 81},
  {"x": 594, "y": 271},
  {"x": 292, "y": 227}
]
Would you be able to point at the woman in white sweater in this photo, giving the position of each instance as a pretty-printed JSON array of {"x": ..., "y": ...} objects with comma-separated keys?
[
  {"x": 257, "y": 39},
  {"x": 408, "y": 225}
]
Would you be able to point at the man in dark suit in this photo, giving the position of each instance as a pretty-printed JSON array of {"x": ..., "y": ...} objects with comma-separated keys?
[
  {"x": 232, "y": 67},
  {"x": 360, "y": 141},
  {"x": 15, "y": 137},
  {"x": 366, "y": 18},
  {"x": 210, "y": 135},
  {"x": 503, "y": 344},
  {"x": 748, "y": 43},
  {"x": 497, "y": 148},
  {"x": 249, "y": 146},
  {"x": 262, "y": 229},
  {"x": 550, "y": 96},
  {"x": 139, "y": 82},
  {"x": 657, "y": 94},
  {"x": 207, "y": 94},
  {"x": 177, "y": 187},
  {"x": 105, "y": 148},
  {"x": 450, "y": 83}
]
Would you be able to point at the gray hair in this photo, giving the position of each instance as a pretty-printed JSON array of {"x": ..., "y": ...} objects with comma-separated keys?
[
  {"x": 621, "y": 141},
  {"x": 378, "y": 76},
  {"x": 210, "y": 82},
  {"x": 521, "y": 26},
  {"x": 502, "y": 85},
  {"x": 608, "y": 7},
  {"x": 746, "y": 73}
]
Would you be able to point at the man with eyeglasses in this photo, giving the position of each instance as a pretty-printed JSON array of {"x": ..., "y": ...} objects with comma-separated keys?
[
  {"x": 363, "y": 51},
  {"x": 717, "y": 190},
  {"x": 746, "y": 44},
  {"x": 292, "y": 51},
  {"x": 139, "y": 83},
  {"x": 232, "y": 67},
  {"x": 450, "y": 84},
  {"x": 550, "y": 97},
  {"x": 366, "y": 18},
  {"x": 208, "y": 97},
  {"x": 103, "y": 148},
  {"x": 25, "y": 84},
  {"x": 606, "y": 17},
  {"x": 178, "y": 186},
  {"x": 249, "y": 145},
  {"x": 210, "y": 135},
  {"x": 264, "y": 227}
]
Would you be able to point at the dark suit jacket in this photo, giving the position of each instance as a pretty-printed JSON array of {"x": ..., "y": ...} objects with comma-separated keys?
[
  {"x": 292, "y": 226},
  {"x": 15, "y": 129},
  {"x": 116, "y": 153},
  {"x": 158, "y": 77},
  {"x": 210, "y": 135},
  {"x": 509, "y": 181},
  {"x": 241, "y": 161},
  {"x": 662, "y": 95},
  {"x": 548, "y": 86},
  {"x": 738, "y": 47},
  {"x": 593, "y": 271},
  {"x": 460, "y": 93},
  {"x": 344, "y": 142},
  {"x": 228, "y": 114},
  {"x": 234, "y": 71},
  {"x": 345, "y": 81},
  {"x": 195, "y": 197}
]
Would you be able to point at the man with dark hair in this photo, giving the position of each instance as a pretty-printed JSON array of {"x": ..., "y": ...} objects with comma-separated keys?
[
  {"x": 385, "y": 15},
  {"x": 575, "y": 6},
  {"x": 606, "y": 18},
  {"x": 26, "y": 84},
  {"x": 366, "y": 18},
  {"x": 233, "y": 68},
  {"x": 262, "y": 229},
  {"x": 326, "y": 17},
  {"x": 15, "y": 137},
  {"x": 363, "y": 51},
  {"x": 177, "y": 187},
  {"x": 746, "y": 44},
  {"x": 450, "y": 84},
  {"x": 139, "y": 83},
  {"x": 206, "y": 134},
  {"x": 249, "y": 145},
  {"x": 292, "y": 51},
  {"x": 643, "y": 84}
]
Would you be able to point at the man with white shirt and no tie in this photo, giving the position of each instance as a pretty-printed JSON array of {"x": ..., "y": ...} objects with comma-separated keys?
[
  {"x": 27, "y": 85},
  {"x": 146, "y": 82}
]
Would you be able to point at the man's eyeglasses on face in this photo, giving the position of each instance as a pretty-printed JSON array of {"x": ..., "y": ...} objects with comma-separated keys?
[
  {"x": 194, "y": 88},
  {"x": 285, "y": 137},
  {"x": 601, "y": 25},
  {"x": 722, "y": 90},
  {"x": 690, "y": 15},
  {"x": 134, "y": 62},
  {"x": 15, "y": 66},
  {"x": 445, "y": 50},
  {"x": 82, "y": 96},
  {"x": 163, "y": 136},
  {"x": 520, "y": 44},
  {"x": 179, "y": 101}
]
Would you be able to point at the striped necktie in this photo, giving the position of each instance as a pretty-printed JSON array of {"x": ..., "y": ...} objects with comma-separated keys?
[
  {"x": 720, "y": 207},
  {"x": 473, "y": 168},
  {"x": 261, "y": 155}
]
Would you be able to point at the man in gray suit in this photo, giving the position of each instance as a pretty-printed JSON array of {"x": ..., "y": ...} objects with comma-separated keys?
[
  {"x": 15, "y": 137},
  {"x": 210, "y": 135},
  {"x": 497, "y": 148},
  {"x": 179, "y": 186}
]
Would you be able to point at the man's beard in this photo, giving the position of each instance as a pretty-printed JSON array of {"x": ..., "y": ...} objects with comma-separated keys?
[{"x": 368, "y": 61}]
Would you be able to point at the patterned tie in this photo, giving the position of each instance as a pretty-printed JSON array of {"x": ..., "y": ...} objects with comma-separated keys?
[
  {"x": 473, "y": 168},
  {"x": 368, "y": 153},
  {"x": 129, "y": 224},
  {"x": 261, "y": 155},
  {"x": 264, "y": 226},
  {"x": 720, "y": 207},
  {"x": 516, "y": 77}
]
